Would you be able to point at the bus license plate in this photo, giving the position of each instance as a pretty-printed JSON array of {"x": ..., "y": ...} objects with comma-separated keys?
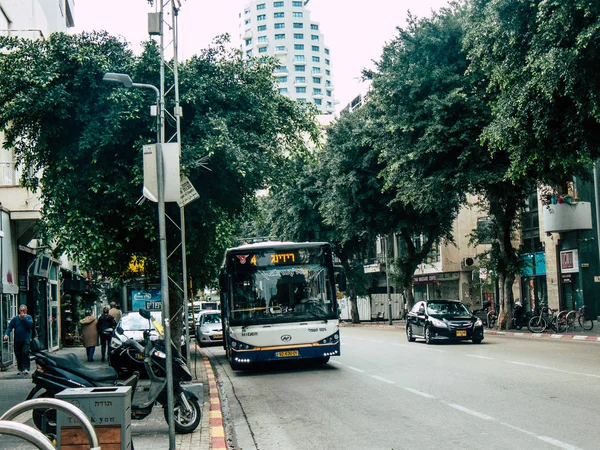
[
  {"x": 461, "y": 332},
  {"x": 287, "y": 354}
]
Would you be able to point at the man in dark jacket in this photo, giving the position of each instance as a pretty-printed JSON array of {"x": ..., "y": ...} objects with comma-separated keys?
[
  {"x": 105, "y": 322},
  {"x": 22, "y": 324}
]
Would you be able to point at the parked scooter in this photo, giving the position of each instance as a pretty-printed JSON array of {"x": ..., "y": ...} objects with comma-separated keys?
[
  {"x": 55, "y": 373},
  {"x": 520, "y": 317}
]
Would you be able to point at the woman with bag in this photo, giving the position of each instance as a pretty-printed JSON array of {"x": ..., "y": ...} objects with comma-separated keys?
[
  {"x": 106, "y": 323},
  {"x": 89, "y": 334}
]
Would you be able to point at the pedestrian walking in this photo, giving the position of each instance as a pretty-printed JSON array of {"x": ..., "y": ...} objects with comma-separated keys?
[
  {"x": 115, "y": 312},
  {"x": 22, "y": 325},
  {"x": 89, "y": 334},
  {"x": 106, "y": 323}
]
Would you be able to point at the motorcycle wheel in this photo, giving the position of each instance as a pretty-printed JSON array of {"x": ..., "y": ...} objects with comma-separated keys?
[
  {"x": 185, "y": 421},
  {"x": 45, "y": 417}
]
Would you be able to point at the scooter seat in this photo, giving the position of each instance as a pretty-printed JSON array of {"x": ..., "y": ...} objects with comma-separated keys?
[{"x": 71, "y": 363}]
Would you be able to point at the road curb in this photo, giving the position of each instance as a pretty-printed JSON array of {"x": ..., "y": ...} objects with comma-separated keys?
[{"x": 215, "y": 416}]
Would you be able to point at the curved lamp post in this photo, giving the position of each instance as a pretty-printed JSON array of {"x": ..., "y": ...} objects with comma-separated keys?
[{"x": 126, "y": 81}]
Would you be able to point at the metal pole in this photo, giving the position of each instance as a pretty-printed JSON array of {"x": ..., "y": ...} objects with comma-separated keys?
[
  {"x": 164, "y": 273},
  {"x": 597, "y": 204},
  {"x": 387, "y": 281}
]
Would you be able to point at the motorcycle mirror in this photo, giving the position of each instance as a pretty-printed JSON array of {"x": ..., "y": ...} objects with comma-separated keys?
[
  {"x": 144, "y": 313},
  {"x": 120, "y": 330}
]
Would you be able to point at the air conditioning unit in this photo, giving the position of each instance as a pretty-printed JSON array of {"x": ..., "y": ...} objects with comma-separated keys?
[
  {"x": 41, "y": 268},
  {"x": 468, "y": 263}
]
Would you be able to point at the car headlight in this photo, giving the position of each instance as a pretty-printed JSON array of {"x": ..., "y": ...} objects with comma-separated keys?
[
  {"x": 438, "y": 323},
  {"x": 478, "y": 323}
]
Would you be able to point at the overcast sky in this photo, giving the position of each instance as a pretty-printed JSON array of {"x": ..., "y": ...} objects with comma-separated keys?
[{"x": 355, "y": 31}]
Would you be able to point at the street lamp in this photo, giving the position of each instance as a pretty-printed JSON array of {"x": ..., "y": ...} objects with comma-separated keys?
[{"x": 125, "y": 80}]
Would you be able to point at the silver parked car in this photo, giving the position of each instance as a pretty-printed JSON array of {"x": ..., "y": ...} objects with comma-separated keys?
[{"x": 209, "y": 329}]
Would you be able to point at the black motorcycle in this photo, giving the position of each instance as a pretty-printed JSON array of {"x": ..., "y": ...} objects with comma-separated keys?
[{"x": 56, "y": 373}]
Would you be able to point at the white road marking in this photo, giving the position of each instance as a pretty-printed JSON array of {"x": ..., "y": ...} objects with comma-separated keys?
[
  {"x": 379, "y": 342},
  {"x": 422, "y": 394},
  {"x": 385, "y": 380},
  {"x": 557, "y": 443},
  {"x": 579, "y": 338},
  {"x": 470, "y": 411},
  {"x": 552, "y": 368},
  {"x": 478, "y": 356},
  {"x": 356, "y": 369},
  {"x": 335, "y": 361}
]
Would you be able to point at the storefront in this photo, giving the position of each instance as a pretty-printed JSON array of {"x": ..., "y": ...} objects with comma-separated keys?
[{"x": 534, "y": 290}]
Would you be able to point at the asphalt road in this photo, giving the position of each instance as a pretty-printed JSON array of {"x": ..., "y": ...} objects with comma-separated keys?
[{"x": 386, "y": 393}]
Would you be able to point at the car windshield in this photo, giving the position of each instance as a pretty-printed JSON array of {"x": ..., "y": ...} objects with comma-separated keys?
[
  {"x": 212, "y": 318},
  {"x": 446, "y": 308},
  {"x": 134, "y": 322}
]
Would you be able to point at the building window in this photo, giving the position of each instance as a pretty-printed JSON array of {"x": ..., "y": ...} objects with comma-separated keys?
[
  {"x": 297, "y": 15},
  {"x": 280, "y": 69},
  {"x": 279, "y": 36},
  {"x": 261, "y": 17},
  {"x": 246, "y": 11},
  {"x": 315, "y": 48},
  {"x": 316, "y": 59},
  {"x": 298, "y": 57},
  {"x": 316, "y": 70},
  {"x": 316, "y": 80},
  {"x": 262, "y": 39},
  {"x": 262, "y": 50},
  {"x": 298, "y": 36},
  {"x": 327, "y": 72},
  {"x": 262, "y": 28},
  {"x": 261, "y": 6},
  {"x": 327, "y": 83},
  {"x": 280, "y": 48},
  {"x": 249, "y": 53},
  {"x": 301, "y": 100},
  {"x": 296, "y": 4},
  {"x": 326, "y": 51},
  {"x": 247, "y": 21},
  {"x": 314, "y": 26},
  {"x": 318, "y": 101},
  {"x": 283, "y": 90},
  {"x": 298, "y": 25},
  {"x": 279, "y": 25},
  {"x": 279, "y": 15},
  {"x": 328, "y": 93},
  {"x": 300, "y": 80},
  {"x": 317, "y": 91},
  {"x": 298, "y": 46},
  {"x": 248, "y": 41},
  {"x": 278, "y": 4},
  {"x": 327, "y": 62},
  {"x": 314, "y": 37},
  {"x": 300, "y": 90},
  {"x": 329, "y": 104},
  {"x": 300, "y": 68},
  {"x": 282, "y": 79}
]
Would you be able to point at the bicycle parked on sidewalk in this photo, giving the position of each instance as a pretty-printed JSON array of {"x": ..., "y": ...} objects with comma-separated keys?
[
  {"x": 547, "y": 318},
  {"x": 580, "y": 317}
]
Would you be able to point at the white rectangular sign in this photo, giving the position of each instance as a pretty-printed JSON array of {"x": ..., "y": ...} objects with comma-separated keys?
[
  {"x": 188, "y": 192},
  {"x": 372, "y": 268}
]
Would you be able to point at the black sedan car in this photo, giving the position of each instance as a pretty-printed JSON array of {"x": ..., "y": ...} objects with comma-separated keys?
[{"x": 447, "y": 320}]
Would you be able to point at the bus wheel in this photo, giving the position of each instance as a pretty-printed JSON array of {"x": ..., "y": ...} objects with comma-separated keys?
[{"x": 322, "y": 360}]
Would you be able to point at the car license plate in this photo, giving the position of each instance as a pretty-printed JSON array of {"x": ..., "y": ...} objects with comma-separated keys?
[
  {"x": 218, "y": 336},
  {"x": 287, "y": 354},
  {"x": 461, "y": 332}
]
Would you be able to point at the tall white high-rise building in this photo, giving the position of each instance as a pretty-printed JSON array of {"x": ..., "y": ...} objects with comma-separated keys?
[{"x": 283, "y": 28}]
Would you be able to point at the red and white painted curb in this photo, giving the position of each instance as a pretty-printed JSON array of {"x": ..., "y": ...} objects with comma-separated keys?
[
  {"x": 215, "y": 417},
  {"x": 574, "y": 337}
]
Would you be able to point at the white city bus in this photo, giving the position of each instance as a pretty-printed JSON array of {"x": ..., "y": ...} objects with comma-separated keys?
[{"x": 278, "y": 303}]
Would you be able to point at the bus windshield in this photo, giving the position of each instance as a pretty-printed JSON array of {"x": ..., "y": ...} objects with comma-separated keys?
[{"x": 275, "y": 294}]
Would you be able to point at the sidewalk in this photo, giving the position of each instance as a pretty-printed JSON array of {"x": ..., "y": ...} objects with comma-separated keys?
[
  {"x": 576, "y": 335},
  {"x": 153, "y": 432}
]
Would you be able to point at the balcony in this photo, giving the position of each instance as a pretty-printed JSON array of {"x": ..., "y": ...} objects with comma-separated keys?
[{"x": 567, "y": 217}]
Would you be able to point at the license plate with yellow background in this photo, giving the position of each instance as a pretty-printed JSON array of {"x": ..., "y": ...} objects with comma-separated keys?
[
  {"x": 460, "y": 333},
  {"x": 287, "y": 354}
]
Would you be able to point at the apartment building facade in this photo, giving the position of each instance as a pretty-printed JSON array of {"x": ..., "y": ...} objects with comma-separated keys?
[{"x": 284, "y": 29}]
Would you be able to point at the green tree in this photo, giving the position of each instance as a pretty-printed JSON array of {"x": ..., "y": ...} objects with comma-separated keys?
[{"x": 86, "y": 137}]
